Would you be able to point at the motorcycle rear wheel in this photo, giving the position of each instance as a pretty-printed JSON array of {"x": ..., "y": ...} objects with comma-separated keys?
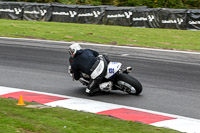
[{"x": 128, "y": 84}]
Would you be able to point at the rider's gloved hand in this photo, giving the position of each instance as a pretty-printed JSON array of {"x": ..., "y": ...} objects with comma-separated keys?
[{"x": 70, "y": 71}]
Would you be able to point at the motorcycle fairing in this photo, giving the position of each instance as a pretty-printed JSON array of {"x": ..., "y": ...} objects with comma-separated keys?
[
  {"x": 113, "y": 67},
  {"x": 98, "y": 70}
]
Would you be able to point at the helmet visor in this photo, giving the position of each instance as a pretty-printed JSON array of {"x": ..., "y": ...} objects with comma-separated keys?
[{"x": 71, "y": 51}]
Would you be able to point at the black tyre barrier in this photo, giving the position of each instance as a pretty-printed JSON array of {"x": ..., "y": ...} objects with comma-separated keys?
[
  {"x": 37, "y": 11},
  {"x": 184, "y": 19},
  {"x": 64, "y": 13},
  {"x": 11, "y": 10},
  {"x": 193, "y": 19}
]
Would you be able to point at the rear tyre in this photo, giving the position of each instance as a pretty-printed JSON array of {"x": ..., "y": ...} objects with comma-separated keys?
[{"x": 128, "y": 84}]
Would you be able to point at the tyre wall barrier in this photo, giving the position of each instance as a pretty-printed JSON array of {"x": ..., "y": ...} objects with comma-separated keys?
[{"x": 184, "y": 19}]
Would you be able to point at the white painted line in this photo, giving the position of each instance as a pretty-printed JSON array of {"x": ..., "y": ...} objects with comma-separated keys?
[
  {"x": 6, "y": 90},
  {"x": 182, "y": 125},
  {"x": 105, "y": 45},
  {"x": 39, "y": 40},
  {"x": 84, "y": 105},
  {"x": 125, "y": 55}
]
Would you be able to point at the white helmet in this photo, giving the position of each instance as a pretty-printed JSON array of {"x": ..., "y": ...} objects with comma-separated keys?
[{"x": 74, "y": 48}]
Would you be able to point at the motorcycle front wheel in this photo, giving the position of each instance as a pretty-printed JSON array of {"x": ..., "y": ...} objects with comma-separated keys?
[{"x": 128, "y": 84}]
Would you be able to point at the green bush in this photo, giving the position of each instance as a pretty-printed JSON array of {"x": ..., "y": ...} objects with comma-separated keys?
[{"x": 149, "y": 3}]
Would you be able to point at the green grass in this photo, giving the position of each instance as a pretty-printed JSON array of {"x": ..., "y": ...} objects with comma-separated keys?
[
  {"x": 20, "y": 119},
  {"x": 104, "y": 34}
]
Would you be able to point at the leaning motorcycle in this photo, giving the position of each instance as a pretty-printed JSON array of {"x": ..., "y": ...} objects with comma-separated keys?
[{"x": 120, "y": 78}]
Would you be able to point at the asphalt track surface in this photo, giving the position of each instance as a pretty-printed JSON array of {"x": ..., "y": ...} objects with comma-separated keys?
[{"x": 171, "y": 80}]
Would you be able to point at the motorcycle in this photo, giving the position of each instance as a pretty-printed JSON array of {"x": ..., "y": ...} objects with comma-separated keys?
[{"x": 120, "y": 79}]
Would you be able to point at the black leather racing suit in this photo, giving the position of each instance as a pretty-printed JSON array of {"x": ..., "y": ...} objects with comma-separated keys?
[{"x": 84, "y": 61}]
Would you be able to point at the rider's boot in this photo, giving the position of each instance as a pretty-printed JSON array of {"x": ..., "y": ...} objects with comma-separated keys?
[{"x": 91, "y": 92}]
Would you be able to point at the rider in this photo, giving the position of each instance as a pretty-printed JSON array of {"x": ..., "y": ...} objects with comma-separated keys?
[{"x": 89, "y": 62}]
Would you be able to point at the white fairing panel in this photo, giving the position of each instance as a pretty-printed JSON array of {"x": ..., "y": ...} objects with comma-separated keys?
[
  {"x": 98, "y": 70},
  {"x": 113, "y": 67}
]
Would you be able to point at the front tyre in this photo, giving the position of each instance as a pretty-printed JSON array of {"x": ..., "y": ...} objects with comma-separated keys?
[{"x": 128, "y": 84}]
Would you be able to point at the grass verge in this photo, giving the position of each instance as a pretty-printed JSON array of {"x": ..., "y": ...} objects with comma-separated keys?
[
  {"x": 104, "y": 34},
  {"x": 20, "y": 119}
]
